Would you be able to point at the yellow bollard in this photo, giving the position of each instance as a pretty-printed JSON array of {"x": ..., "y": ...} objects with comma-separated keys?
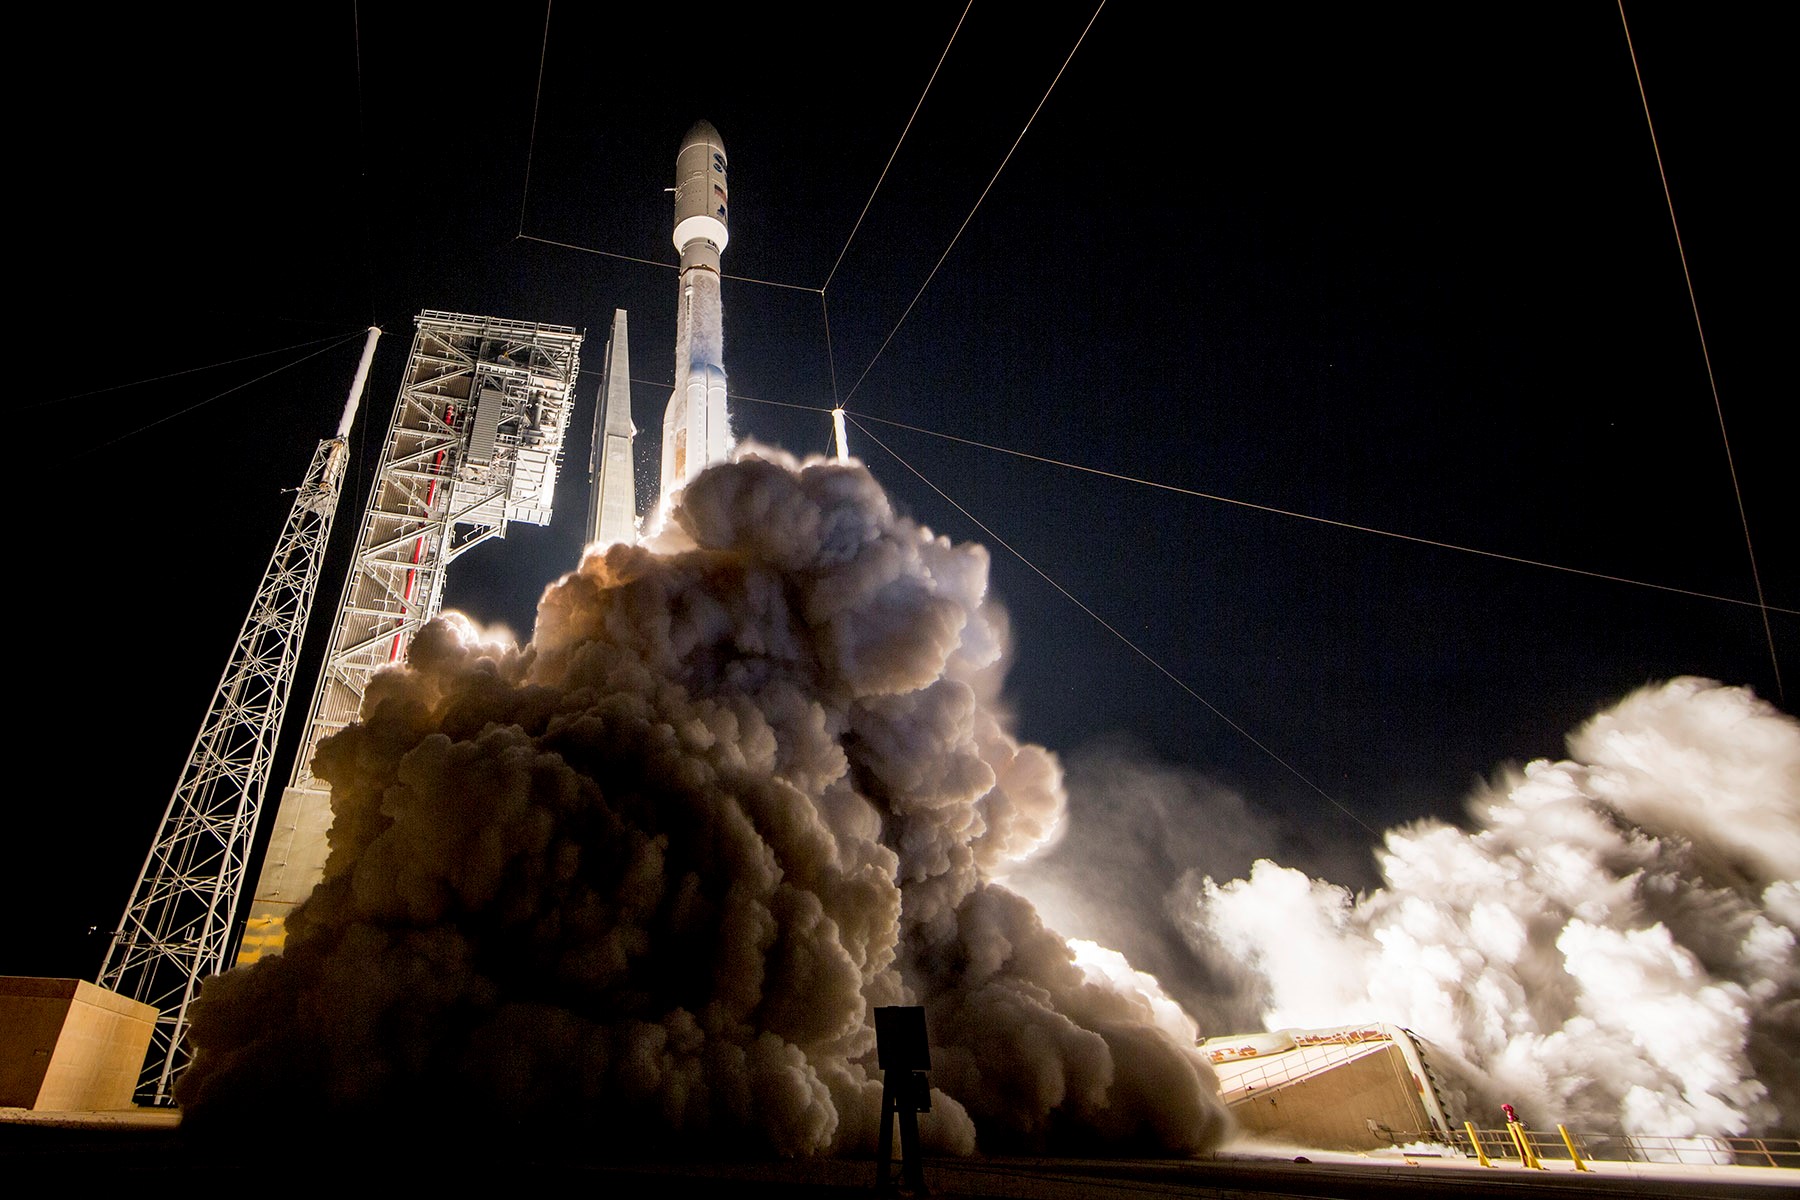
[
  {"x": 1570, "y": 1143},
  {"x": 1527, "y": 1158},
  {"x": 1475, "y": 1141}
]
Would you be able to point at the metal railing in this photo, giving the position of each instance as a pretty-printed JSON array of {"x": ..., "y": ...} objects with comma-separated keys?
[
  {"x": 1737, "y": 1151},
  {"x": 1706, "y": 1150}
]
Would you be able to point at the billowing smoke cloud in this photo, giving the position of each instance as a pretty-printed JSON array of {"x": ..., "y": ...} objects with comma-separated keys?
[
  {"x": 649, "y": 874},
  {"x": 1613, "y": 946},
  {"x": 1143, "y": 836}
]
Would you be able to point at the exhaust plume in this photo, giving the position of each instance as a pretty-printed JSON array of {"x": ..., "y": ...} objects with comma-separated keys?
[
  {"x": 647, "y": 875},
  {"x": 1612, "y": 946},
  {"x": 1143, "y": 835}
]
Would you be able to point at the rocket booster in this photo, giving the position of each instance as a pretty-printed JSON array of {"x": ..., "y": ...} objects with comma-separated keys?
[
  {"x": 612, "y": 503},
  {"x": 696, "y": 425}
]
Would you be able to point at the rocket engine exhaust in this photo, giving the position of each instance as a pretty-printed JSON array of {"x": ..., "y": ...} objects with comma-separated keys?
[{"x": 648, "y": 875}]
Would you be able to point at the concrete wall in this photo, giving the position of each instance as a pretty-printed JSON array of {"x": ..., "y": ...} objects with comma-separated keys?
[
  {"x": 68, "y": 1046},
  {"x": 1332, "y": 1110}
]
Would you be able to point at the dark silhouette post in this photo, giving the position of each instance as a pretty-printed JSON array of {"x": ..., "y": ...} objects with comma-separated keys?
[{"x": 903, "y": 1052}]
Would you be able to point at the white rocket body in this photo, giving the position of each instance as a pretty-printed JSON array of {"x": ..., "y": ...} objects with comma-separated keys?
[
  {"x": 696, "y": 425},
  {"x": 612, "y": 504}
]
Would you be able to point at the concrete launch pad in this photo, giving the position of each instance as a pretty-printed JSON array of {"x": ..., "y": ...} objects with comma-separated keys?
[{"x": 105, "y": 1148}]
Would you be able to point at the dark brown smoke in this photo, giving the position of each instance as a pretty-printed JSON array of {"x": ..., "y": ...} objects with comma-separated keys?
[{"x": 647, "y": 875}]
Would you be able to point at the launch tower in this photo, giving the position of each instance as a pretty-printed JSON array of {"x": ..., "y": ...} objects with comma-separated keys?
[{"x": 475, "y": 442}]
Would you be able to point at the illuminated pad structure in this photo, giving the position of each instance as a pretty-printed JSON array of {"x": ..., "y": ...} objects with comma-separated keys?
[
  {"x": 475, "y": 442},
  {"x": 1346, "y": 1088}
]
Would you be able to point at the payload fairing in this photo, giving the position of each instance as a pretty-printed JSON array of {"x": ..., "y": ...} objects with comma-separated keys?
[{"x": 696, "y": 424}]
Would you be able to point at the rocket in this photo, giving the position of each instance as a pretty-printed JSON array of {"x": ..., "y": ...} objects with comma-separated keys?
[{"x": 696, "y": 426}]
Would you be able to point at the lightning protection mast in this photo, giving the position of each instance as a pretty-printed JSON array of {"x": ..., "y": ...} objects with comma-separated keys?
[{"x": 177, "y": 928}]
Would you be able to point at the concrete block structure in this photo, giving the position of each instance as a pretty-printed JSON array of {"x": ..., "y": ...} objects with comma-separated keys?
[
  {"x": 69, "y": 1046},
  {"x": 1347, "y": 1088}
]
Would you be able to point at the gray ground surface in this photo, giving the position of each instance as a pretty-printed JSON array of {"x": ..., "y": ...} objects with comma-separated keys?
[{"x": 34, "y": 1150}]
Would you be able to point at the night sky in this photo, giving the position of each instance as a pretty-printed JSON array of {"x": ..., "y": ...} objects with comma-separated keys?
[{"x": 1403, "y": 267}]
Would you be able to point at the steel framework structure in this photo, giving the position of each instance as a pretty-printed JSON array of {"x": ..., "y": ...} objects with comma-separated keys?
[
  {"x": 475, "y": 442},
  {"x": 176, "y": 928}
]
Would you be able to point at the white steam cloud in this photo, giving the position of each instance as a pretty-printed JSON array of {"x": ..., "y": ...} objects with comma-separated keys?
[
  {"x": 1143, "y": 835},
  {"x": 648, "y": 875},
  {"x": 1613, "y": 946}
]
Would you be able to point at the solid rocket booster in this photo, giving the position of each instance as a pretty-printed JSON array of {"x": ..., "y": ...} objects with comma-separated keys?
[
  {"x": 696, "y": 426},
  {"x": 612, "y": 503}
]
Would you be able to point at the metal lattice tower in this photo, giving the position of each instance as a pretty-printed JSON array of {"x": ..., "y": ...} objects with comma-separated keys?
[
  {"x": 475, "y": 442},
  {"x": 177, "y": 926}
]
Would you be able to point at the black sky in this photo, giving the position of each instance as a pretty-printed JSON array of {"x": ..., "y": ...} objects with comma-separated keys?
[{"x": 1404, "y": 267}]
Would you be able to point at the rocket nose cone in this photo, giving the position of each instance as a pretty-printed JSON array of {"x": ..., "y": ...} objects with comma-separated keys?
[{"x": 702, "y": 133}]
